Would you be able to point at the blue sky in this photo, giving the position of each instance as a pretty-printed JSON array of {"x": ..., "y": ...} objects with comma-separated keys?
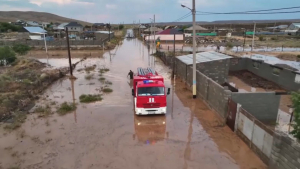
[{"x": 116, "y": 11}]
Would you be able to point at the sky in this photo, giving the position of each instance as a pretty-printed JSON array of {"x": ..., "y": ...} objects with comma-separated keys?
[{"x": 129, "y": 11}]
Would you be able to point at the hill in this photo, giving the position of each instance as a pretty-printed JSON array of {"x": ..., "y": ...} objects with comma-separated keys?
[{"x": 12, "y": 16}]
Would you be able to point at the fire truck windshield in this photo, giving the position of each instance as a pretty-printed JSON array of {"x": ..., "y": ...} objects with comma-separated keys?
[{"x": 151, "y": 91}]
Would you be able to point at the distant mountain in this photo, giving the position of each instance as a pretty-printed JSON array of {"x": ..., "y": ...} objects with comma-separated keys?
[{"x": 12, "y": 16}]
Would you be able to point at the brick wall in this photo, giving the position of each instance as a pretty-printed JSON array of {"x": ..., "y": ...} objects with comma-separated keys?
[
  {"x": 216, "y": 70},
  {"x": 285, "y": 79},
  {"x": 285, "y": 153},
  {"x": 263, "y": 106}
]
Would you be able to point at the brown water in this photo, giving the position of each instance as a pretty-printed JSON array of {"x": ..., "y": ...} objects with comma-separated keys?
[{"x": 107, "y": 134}]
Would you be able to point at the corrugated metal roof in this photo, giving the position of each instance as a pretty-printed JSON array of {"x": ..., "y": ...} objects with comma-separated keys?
[
  {"x": 197, "y": 27},
  {"x": 296, "y": 24},
  {"x": 203, "y": 57},
  {"x": 36, "y": 30}
]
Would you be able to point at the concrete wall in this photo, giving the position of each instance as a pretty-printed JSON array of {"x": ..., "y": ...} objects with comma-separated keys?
[
  {"x": 285, "y": 153},
  {"x": 285, "y": 79},
  {"x": 216, "y": 70},
  {"x": 101, "y": 36},
  {"x": 255, "y": 134},
  {"x": 263, "y": 106}
]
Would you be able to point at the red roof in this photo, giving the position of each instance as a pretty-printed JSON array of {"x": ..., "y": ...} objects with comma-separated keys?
[{"x": 170, "y": 32}]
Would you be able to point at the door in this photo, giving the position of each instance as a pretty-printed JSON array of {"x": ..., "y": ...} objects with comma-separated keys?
[{"x": 232, "y": 110}]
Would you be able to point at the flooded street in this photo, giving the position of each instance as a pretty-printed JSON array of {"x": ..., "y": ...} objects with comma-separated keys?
[{"x": 107, "y": 134}]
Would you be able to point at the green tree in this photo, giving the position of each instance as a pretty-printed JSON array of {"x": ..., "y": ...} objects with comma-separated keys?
[
  {"x": 7, "y": 56},
  {"x": 21, "y": 49},
  {"x": 4, "y": 27},
  {"x": 296, "y": 105},
  {"x": 121, "y": 27},
  {"x": 261, "y": 38}
]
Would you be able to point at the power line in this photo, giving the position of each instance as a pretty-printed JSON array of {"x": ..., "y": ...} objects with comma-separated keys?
[
  {"x": 250, "y": 12},
  {"x": 183, "y": 17}
]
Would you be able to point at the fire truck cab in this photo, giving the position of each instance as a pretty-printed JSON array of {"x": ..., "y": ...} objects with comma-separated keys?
[{"x": 150, "y": 96}]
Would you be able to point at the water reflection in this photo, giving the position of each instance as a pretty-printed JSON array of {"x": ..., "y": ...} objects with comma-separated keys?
[
  {"x": 150, "y": 129},
  {"x": 73, "y": 96}
]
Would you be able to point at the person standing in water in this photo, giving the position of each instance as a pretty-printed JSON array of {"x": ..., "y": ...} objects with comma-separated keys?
[{"x": 130, "y": 74}]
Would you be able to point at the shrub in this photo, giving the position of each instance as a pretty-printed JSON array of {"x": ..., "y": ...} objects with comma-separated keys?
[
  {"x": 121, "y": 27},
  {"x": 90, "y": 98},
  {"x": 21, "y": 49},
  {"x": 261, "y": 38},
  {"x": 107, "y": 90},
  {"x": 66, "y": 108},
  {"x": 101, "y": 78},
  {"x": 7, "y": 56},
  {"x": 229, "y": 45},
  {"x": 89, "y": 77},
  {"x": 296, "y": 105},
  {"x": 274, "y": 38}
]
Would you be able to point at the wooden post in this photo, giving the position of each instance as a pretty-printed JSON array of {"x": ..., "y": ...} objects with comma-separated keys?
[
  {"x": 69, "y": 53},
  {"x": 174, "y": 44}
]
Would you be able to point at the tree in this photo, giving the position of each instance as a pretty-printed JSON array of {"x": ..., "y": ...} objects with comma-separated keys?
[
  {"x": 21, "y": 49},
  {"x": 296, "y": 105},
  {"x": 261, "y": 38},
  {"x": 4, "y": 27},
  {"x": 7, "y": 56},
  {"x": 121, "y": 27}
]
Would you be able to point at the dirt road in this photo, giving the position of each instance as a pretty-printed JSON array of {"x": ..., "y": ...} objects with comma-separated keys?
[{"x": 107, "y": 134}]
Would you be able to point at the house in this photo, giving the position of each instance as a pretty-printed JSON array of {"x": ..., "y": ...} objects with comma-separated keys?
[
  {"x": 98, "y": 26},
  {"x": 33, "y": 33},
  {"x": 74, "y": 27},
  {"x": 32, "y": 23},
  {"x": 293, "y": 29},
  {"x": 199, "y": 29},
  {"x": 151, "y": 30},
  {"x": 45, "y": 24},
  {"x": 102, "y": 35},
  {"x": 59, "y": 27},
  {"x": 167, "y": 35}
]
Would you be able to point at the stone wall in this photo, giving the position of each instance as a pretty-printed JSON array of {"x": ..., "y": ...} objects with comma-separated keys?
[
  {"x": 263, "y": 106},
  {"x": 285, "y": 78},
  {"x": 285, "y": 153}
]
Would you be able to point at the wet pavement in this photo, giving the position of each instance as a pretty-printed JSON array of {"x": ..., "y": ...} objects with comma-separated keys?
[{"x": 107, "y": 134}]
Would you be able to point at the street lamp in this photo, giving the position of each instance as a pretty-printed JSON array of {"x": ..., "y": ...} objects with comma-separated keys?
[{"x": 194, "y": 46}]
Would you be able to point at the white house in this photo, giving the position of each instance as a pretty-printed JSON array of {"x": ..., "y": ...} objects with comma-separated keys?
[{"x": 293, "y": 29}]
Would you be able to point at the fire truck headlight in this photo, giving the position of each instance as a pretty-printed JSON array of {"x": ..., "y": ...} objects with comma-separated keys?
[
  {"x": 164, "y": 122},
  {"x": 139, "y": 124},
  {"x": 139, "y": 110},
  {"x": 163, "y": 110}
]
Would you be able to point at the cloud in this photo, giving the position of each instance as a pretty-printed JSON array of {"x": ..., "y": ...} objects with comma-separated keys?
[
  {"x": 11, "y": 8},
  {"x": 111, "y": 6},
  {"x": 60, "y": 2}
]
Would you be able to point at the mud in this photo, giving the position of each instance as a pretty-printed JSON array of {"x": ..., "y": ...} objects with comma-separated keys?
[{"x": 107, "y": 134}]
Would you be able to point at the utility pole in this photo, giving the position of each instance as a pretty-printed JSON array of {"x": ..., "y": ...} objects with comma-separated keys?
[
  {"x": 194, "y": 50},
  {"x": 45, "y": 42},
  {"x": 154, "y": 32},
  {"x": 69, "y": 53},
  {"x": 244, "y": 40},
  {"x": 253, "y": 37}
]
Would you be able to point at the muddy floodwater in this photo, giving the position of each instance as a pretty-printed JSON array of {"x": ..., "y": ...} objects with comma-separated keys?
[{"x": 107, "y": 134}]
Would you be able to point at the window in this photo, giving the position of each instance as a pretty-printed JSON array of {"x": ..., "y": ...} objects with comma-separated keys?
[
  {"x": 151, "y": 91},
  {"x": 276, "y": 71},
  {"x": 297, "y": 78},
  {"x": 256, "y": 65},
  {"x": 75, "y": 28}
]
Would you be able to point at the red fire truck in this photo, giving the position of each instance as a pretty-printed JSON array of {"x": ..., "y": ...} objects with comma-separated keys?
[{"x": 150, "y": 96}]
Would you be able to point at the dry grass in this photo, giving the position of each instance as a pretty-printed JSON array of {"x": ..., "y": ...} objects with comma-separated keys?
[
  {"x": 107, "y": 90},
  {"x": 89, "y": 76}
]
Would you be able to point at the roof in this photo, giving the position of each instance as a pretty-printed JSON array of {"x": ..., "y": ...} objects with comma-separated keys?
[
  {"x": 143, "y": 27},
  {"x": 197, "y": 28},
  {"x": 62, "y": 26},
  {"x": 153, "y": 29},
  {"x": 74, "y": 24},
  {"x": 104, "y": 32},
  {"x": 98, "y": 24},
  {"x": 33, "y": 23},
  {"x": 203, "y": 57},
  {"x": 36, "y": 30},
  {"x": 296, "y": 24},
  {"x": 170, "y": 32},
  {"x": 274, "y": 60}
]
